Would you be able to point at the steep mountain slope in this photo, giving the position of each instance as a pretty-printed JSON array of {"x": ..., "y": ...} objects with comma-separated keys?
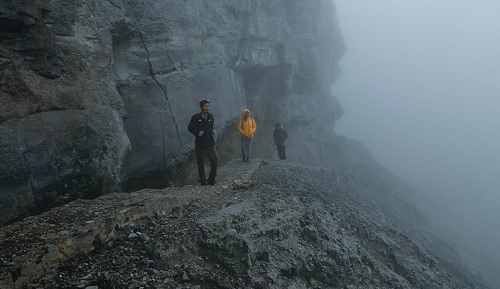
[
  {"x": 267, "y": 224},
  {"x": 95, "y": 97}
]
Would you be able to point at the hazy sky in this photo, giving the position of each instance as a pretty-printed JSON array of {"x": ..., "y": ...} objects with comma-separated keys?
[{"x": 421, "y": 88}]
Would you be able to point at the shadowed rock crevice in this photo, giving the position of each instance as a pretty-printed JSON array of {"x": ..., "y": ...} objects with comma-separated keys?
[{"x": 163, "y": 89}]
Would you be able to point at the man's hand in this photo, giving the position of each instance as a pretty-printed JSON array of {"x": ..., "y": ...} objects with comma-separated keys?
[
  {"x": 213, "y": 132},
  {"x": 200, "y": 133}
]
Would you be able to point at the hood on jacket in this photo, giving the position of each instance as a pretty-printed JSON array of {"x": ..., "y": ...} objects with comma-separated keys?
[{"x": 245, "y": 111}]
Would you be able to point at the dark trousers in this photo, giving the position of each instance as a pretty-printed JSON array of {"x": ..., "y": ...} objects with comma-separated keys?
[
  {"x": 211, "y": 154},
  {"x": 281, "y": 152}
]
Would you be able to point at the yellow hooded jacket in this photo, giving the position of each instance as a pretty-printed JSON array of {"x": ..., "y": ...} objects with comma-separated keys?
[{"x": 246, "y": 127}]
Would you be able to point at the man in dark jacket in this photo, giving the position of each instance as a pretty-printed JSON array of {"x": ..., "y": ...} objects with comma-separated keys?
[
  {"x": 280, "y": 136},
  {"x": 202, "y": 127}
]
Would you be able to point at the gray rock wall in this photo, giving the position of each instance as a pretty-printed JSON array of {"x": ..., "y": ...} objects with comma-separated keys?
[{"x": 96, "y": 93}]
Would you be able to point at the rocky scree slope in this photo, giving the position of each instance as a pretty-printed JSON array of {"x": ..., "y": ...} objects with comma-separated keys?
[{"x": 267, "y": 224}]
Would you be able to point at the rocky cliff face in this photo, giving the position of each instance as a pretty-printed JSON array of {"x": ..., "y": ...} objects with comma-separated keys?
[{"x": 97, "y": 94}]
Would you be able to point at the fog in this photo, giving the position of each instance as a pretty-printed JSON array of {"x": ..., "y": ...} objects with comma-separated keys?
[{"x": 421, "y": 88}]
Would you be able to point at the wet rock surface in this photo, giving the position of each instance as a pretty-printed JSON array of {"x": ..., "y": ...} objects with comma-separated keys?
[{"x": 266, "y": 224}]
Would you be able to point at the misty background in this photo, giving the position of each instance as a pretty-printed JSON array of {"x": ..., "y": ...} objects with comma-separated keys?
[{"x": 421, "y": 88}]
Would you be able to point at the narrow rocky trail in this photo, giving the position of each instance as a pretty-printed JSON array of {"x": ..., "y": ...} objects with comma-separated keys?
[{"x": 35, "y": 246}]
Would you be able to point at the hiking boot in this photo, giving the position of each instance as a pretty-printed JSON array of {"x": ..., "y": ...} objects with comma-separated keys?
[
  {"x": 203, "y": 183},
  {"x": 211, "y": 181},
  {"x": 243, "y": 160}
]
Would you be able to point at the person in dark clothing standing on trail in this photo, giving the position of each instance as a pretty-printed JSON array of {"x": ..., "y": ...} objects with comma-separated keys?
[
  {"x": 280, "y": 136},
  {"x": 202, "y": 127}
]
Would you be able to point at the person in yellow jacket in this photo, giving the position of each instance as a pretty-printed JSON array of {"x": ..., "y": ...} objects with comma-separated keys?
[{"x": 246, "y": 127}]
